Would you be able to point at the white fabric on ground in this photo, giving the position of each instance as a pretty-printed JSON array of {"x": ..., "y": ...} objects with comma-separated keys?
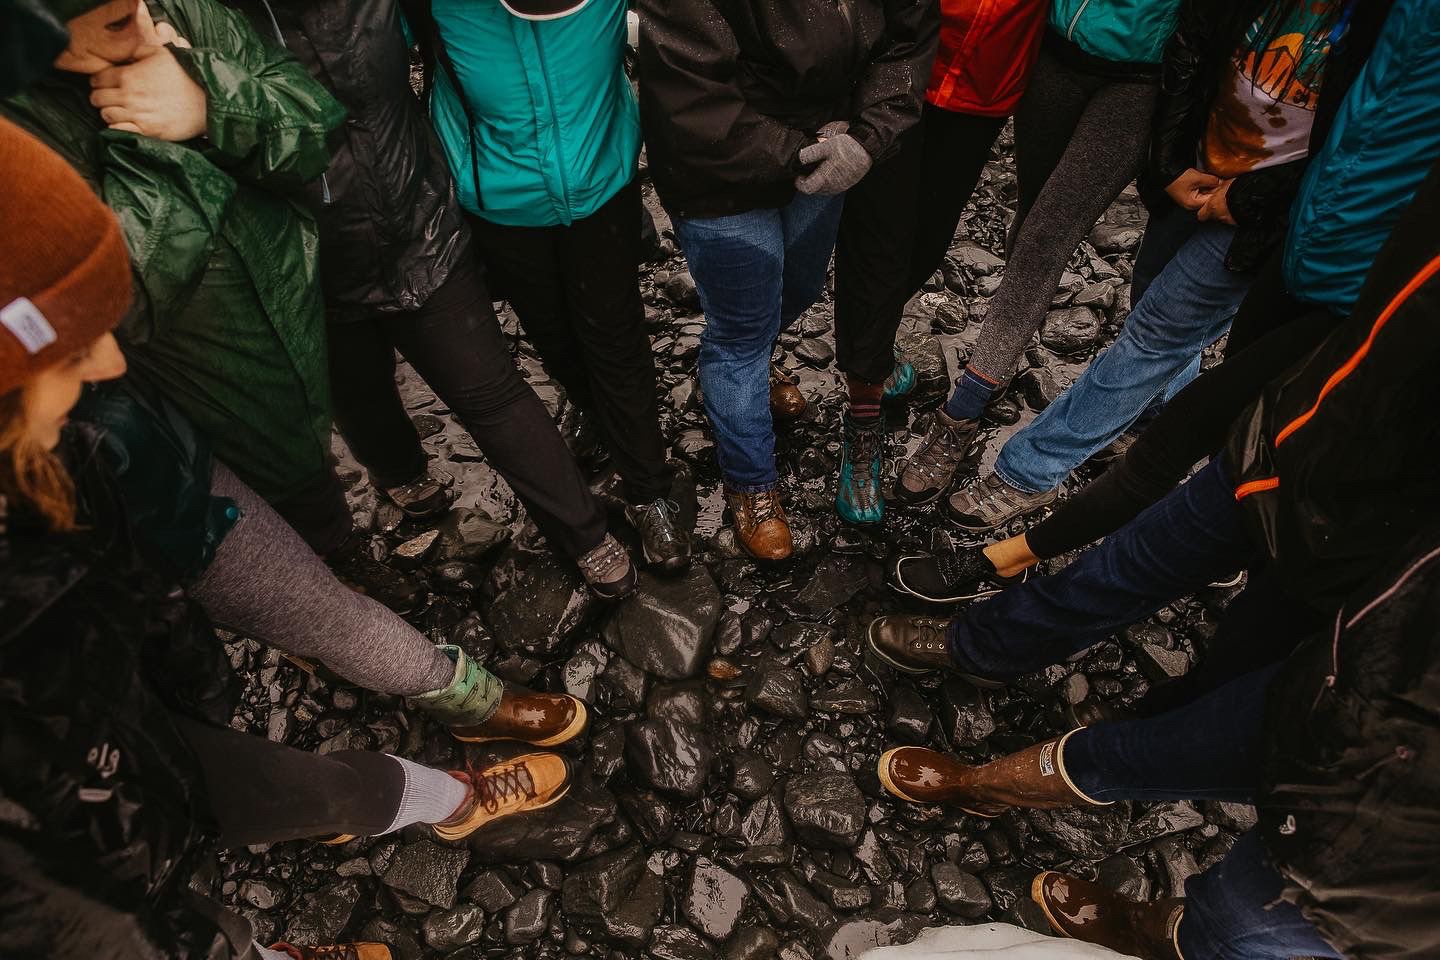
[
  {"x": 430, "y": 795},
  {"x": 990, "y": 941},
  {"x": 266, "y": 954}
]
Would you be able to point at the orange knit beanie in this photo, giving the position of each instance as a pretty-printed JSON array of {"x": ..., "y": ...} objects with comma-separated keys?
[{"x": 64, "y": 272}]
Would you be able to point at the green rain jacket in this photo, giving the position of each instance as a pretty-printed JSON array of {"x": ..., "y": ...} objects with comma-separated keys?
[{"x": 228, "y": 321}]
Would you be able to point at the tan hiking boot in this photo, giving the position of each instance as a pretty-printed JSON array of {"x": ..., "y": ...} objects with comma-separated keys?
[
  {"x": 522, "y": 785},
  {"x": 542, "y": 719},
  {"x": 1086, "y": 911},
  {"x": 760, "y": 525}
]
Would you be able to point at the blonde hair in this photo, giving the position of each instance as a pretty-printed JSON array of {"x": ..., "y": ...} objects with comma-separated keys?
[{"x": 30, "y": 473}]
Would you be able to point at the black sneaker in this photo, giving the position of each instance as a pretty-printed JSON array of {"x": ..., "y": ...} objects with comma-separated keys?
[
  {"x": 608, "y": 570},
  {"x": 420, "y": 499},
  {"x": 664, "y": 542},
  {"x": 947, "y": 576},
  {"x": 355, "y": 567}
]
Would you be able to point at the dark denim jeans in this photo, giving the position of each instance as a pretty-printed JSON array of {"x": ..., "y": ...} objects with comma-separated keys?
[
  {"x": 1188, "y": 539},
  {"x": 755, "y": 273},
  {"x": 1233, "y": 911}
]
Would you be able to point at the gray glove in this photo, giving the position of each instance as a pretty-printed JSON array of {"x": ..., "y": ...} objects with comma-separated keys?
[{"x": 841, "y": 163}]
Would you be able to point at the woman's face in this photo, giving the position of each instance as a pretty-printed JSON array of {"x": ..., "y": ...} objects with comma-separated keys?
[
  {"x": 48, "y": 398},
  {"x": 106, "y": 36}
]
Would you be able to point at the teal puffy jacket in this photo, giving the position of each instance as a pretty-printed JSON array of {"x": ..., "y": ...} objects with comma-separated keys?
[
  {"x": 1125, "y": 31},
  {"x": 556, "y": 127}
]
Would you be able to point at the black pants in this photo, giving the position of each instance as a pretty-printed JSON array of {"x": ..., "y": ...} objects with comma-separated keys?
[
  {"x": 897, "y": 226},
  {"x": 576, "y": 291},
  {"x": 455, "y": 343},
  {"x": 318, "y": 512},
  {"x": 266, "y": 792}
]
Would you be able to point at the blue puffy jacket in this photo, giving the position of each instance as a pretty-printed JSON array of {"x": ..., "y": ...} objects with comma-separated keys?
[
  {"x": 1122, "y": 31},
  {"x": 1385, "y": 138},
  {"x": 556, "y": 128}
]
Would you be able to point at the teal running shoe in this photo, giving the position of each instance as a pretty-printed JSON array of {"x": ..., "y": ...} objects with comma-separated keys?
[
  {"x": 859, "y": 498},
  {"x": 901, "y": 380}
]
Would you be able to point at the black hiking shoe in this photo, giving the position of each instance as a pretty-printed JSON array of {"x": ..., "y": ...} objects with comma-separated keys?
[{"x": 663, "y": 540}]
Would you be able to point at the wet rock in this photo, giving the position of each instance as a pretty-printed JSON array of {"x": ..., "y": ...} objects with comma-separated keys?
[
  {"x": 427, "y": 871},
  {"x": 1161, "y": 664},
  {"x": 967, "y": 719},
  {"x": 415, "y": 551},
  {"x": 820, "y": 657},
  {"x": 667, "y": 627},
  {"x": 493, "y": 891},
  {"x": 851, "y": 697},
  {"x": 826, "y": 809},
  {"x": 672, "y": 757},
  {"x": 751, "y": 777},
  {"x": 527, "y": 919},
  {"x": 324, "y": 914},
  {"x": 1090, "y": 832},
  {"x": 597, "y": 887},
  {"x": 447, "y": 930},
  {"x": 1123, "y": 875},
  {"x": 975, "y": 260},
  {"x": 469, "y": 534},
  {"x": 841, "y": 893},
  {"x": 801, "y": 904},
  {"x": 714, "y": 899},
  {"x": 909, "y": 718},
  {"x": 883, "y": 929},
  {"x": 752, "y": 943},
  {"x": 766, "y": 833},
  {"x": 1026, "y": 913},
  {"x": 1163, "y": 819},
  {"x": 1071, "y": 330},
  {"x": 920, "y": 896},
  {"x": 682, "y": 702},
  {"x": 723, "y": 670},
  {"x": 681, "y": 291},
  {"x": 678, "y": 943},
  {"x": 637, "y": 916},
  {"x": 960, "y": 892},
  {"x": 778, "y": 690},
  {"x": 563, "y": 832},
  {"x": 1008, "y": 884},
  {"x": 582, "y": 672},
  {"x": 628, "y": 681},
  {"x": 651, "y": 816},
  {"x": 539, "y": 612},
  {"x": 836, "y": 580},
  {"x": 872, "y": 858},
  {"x": 1039, "y": 388},
  {"x": 267, "y": 894},
  {"x": 1235, "y": 817},
  {"x": 402, "y": 943},
  {"x": 815, "y": 352}
]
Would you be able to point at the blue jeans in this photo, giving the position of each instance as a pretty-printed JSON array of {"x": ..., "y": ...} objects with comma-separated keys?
[
  {"x": 1187, "y": 307},
  {"x": 755, "y": 273},
  {"x": 1233, "y": 911},
  {"x": 1192, "y": 536}
]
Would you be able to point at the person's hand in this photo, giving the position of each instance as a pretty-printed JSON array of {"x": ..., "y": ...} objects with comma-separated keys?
[
  {"x": 154, "y": 34},
  {"x": 152, "y": 96},
  {"x": 840, "y": 164},
  {"x": 1192, "y": 188},
  {"x": 1217, "y": 206}
]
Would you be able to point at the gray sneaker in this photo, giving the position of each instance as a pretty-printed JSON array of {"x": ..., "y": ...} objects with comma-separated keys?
[
  {"x": 608, "y": 570},
  {"x": 929, "y": 472},
  {"x": 985, "y": 504}
]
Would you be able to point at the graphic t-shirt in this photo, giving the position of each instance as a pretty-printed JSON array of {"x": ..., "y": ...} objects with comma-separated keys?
[{"x": 1266, "y": 106}]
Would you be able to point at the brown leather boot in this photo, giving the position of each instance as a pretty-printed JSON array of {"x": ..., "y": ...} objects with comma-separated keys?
[
  {"x": 335, "y": 951},
  {"x": 1087, "y": 911},
  {"x": 760, "y": 524},
  {"x": 544, "y": 719},
  {"x": 786, "y": 400},
  {"x": 1034, "y": 777}
]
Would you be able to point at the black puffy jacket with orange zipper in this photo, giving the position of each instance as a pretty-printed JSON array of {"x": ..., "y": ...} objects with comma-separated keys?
[{"x": 1338, "y": 462}]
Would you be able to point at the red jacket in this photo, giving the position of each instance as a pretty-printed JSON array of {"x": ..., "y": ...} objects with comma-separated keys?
[{"x": 986, "y": 50}]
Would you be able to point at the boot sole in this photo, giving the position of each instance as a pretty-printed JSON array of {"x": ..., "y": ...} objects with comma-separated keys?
[
  {"x": 559, "y": 795},
  {"x": 882, "y": 770},
  {"x": 582, "y": 718}
]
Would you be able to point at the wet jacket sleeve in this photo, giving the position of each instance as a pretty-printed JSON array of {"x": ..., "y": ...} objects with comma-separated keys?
[
  {"x": 267, "y": 119},
  {"x": 688, "y": 56},
  {"x": 1183, "y": 106},
  {"x": 888, "y": 97}
]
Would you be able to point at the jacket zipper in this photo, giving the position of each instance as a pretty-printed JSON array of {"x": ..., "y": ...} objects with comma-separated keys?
[
  {"x": 1079, "y": 11},
  {"x": 554, "y": 125},
  {"x": 280, "y": 38}
]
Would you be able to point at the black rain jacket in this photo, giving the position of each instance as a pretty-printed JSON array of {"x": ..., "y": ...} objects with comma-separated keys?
[
  {"x": 732, "y": 90},
  {"x": 103, "y": 811},
  {"x": 1352, "y": 767},
  {"x": 1197, "y": 60},
  {"x": 1335, "y": 464},
  {"x": 391, "y": 229}
]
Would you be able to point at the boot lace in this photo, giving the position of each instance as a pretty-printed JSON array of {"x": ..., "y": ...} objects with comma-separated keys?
[
  {"x": 763, "y": 506},
  {"x": 996, "y": 499},
  {"x": 929, "y": 633},
  {"x": 657, "y": 519},
  {"x": 605, "y": 563},
  {"x": 495, "y": 786},
  {"x": 940, "y": 452},
  {"x": 866, "y": 446}
]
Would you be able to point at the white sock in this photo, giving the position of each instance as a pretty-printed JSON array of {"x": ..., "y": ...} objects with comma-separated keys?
[
  {"x": 430, "y": 795},
  {"x": 272, "y": 954}
]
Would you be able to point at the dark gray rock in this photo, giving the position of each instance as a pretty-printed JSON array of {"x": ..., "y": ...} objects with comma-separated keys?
[
  {"x": 1039, "y": 388},
  {"x": 681, "y": 291},
  {"x": 323, "y": 915},
  {"x": 815, "y": 352},
  {"x": 675, "y": 942},
  {"x": 493, "y": 891},
  {"x": 637, "y": 916},
  {"x": 802, "y": 905},
  {"x": 544, "y": 606},
  {"x": 849, "y": 697},
  {"x": 884, "y": 928},
  {"x": 1070, "y": 330},
  {"x": 672, "y": 757},
  {"x": 1123, "y": 875},
  {"x": 714, "y": 899},
  {"x": 752, "y": 943},
  {"x": 779, "y": 691},
  {"x": 826, "y": 809},
  {"x": 651, "y": 815},
  {"x": 667, "y": 627},
  {"x": 1090, "y": 832},
  {"x": 683, "y": 702},
  {"x": 469, "y": 534},
  {"x": 427, "y": 871},
  {"x": 1163, "y": 819},
  {"x": 751, "y": 777},
  {"x": 959, "y": 892},
  {"x": 447, "y": 930},
  {"x": 628, "y": 681},
  {"x": 909, "y": 718},
  {"x": 527, "y": 918},
  {"x": 766, "y": 833},
  {"x": 966, "y": 717},
  {"x": 597, "y": 887}
]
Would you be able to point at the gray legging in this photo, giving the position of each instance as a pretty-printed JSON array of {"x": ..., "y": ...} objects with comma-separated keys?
[
  {"x": 266, "y": 583},
  {"x": 1079, "y": 139}
]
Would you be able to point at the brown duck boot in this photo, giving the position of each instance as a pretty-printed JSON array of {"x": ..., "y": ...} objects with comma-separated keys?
[
  {"x": 542, "y": 719},
  {"x": 1034, "y": 777},
  {"x": 335, "y": 951},
  {"x": 760, "y": 525},
  {"x": 522, "y": 785},
  {"x": 1086, "y": 911},
  {"x": 786, "y": 400}
]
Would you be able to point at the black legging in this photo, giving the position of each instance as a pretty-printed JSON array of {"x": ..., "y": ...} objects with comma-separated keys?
[{"x": 1193, "y": 425}]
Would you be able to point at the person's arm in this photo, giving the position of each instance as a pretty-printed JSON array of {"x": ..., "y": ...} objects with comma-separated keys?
[
  {"x": 267, "y": 120},
  {"x": 688, "y": 60},
  {"x": 887, "y": 99},
  {"x": 1180, "y": 108}
]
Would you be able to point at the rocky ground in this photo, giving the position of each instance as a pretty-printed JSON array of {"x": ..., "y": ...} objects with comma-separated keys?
[{"x": 728, "y": 805}]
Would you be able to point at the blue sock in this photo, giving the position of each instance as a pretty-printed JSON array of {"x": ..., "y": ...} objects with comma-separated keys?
[{"x": 972, "y": 392}]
